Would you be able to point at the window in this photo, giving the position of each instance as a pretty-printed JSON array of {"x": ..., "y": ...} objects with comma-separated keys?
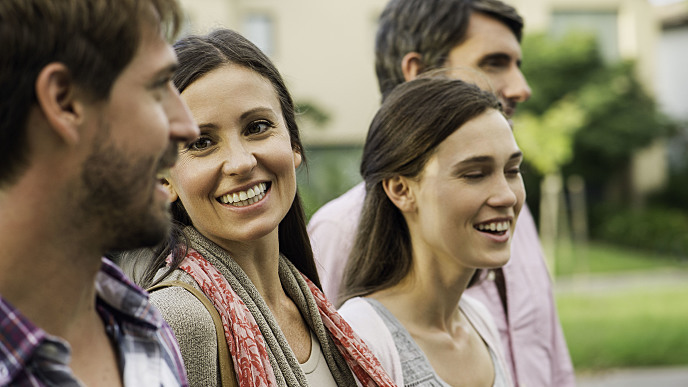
[{"x": 258, "y": 28}]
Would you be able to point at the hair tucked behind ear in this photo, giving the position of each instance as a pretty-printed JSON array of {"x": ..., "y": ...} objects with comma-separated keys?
[
  {"x": 199, "y": 55},
  {"x": 414, "y": 119}
]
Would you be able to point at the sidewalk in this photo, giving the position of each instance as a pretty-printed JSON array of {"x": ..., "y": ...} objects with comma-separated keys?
[
  {"x": 640, "y": 377},
  {"x": 593, "y": 283}
]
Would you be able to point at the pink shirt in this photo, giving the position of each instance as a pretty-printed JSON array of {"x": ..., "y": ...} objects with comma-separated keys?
[{"x": 536, "y": 351}]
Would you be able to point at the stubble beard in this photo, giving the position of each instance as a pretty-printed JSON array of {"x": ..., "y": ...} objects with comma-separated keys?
[{"x": 118, "y": 200}]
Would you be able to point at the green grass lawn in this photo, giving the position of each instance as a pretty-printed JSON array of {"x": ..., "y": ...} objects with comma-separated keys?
[
  {"x": 627, "y": 329},
  {"x": 605, "y": 258},
  {"x": 646, "y": 326}
]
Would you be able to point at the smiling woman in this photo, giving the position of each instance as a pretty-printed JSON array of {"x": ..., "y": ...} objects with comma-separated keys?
[
  {"x": 443, "y": 192},
  {"x": 241, "y": 243}
]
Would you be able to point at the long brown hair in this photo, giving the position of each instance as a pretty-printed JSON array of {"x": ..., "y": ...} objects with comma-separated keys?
[
  {"x": 199, "y": 55},
  {"x": 414, "y": 119}
]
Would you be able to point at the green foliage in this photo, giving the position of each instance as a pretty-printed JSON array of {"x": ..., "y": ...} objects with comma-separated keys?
[
  {"x": 654, "y": 228},
  {"x": 331, "y": 172},
  {"x": 675, "y": 194},
  {"x": 599, "y": 109},
  {"x": 555, "y": 68},
  {"x": 311, "y": 111},
  {"x": 553, "y": 131},
  {"x": 622, "y": 118}
]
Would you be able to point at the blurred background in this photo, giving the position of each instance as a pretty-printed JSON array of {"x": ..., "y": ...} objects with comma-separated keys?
[{"x": 605, "y": 136}]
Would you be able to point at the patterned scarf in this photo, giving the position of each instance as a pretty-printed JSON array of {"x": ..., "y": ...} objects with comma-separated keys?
[{"x": 246, "y": 343}]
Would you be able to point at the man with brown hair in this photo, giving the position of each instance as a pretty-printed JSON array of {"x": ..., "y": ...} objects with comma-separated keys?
[
  {"x": 478, "y": 41},
  {"x": 89, "y": 120}
]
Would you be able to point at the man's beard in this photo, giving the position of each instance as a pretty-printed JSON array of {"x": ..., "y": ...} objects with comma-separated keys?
[{"x": 118, "y": 198}]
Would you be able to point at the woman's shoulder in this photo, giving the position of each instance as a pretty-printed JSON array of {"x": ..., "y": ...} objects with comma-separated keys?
[
  {"x": 480, "y": 317},
  {"x": 180, "y": 308},
  {"x": 475, "y": 306},
  {"x": 193, "y": 327},
  {"x": 369, "y": 326},
  {"x": 355, "y": 305},
  {"x": 363, "y": 318}
]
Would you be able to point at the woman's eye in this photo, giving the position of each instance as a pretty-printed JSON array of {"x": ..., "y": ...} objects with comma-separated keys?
[
  {"x": 257, "y": 127},
  {"x": 201, "y": 143},
  {"x": 474, "y": 175},
  {"x": 514, "y": 171}
]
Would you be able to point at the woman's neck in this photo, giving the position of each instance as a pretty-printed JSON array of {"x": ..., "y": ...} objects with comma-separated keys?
[
  {"x": 428, "y": 297},
  {"x": 259, "y": 259}
]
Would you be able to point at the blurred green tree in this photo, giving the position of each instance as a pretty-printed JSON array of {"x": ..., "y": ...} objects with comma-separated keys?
[{"x": 586, "y": 117}]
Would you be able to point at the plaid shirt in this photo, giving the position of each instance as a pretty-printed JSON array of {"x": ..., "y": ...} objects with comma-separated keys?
[{"x": 148, "y": 352}]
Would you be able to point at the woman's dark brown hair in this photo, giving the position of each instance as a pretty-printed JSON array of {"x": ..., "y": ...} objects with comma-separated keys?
[{"x": 413, "y": 120}]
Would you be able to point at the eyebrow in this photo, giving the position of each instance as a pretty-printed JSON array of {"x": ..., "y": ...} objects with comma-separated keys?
[
  {"x": 259, "y": 109},
  {"x": 207, "y": 127},
  {"x": 167, "y": 70},
  {"x": 484, "y": 159}
]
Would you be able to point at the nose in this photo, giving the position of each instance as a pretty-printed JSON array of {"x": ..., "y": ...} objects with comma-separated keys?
[
  {"x": 517, "y": 88},
  {"x": 183, "y": 127},
  {"x": 506, "y": 193},
  {"x": 239, "y": 158}
]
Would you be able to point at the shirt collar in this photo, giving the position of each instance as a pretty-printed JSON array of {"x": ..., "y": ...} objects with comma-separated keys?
[
  {"x": 118, "y": 292},
  {"x": 19, "y": 339}
]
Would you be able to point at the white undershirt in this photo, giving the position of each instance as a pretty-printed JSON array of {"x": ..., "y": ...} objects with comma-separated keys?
[{"x": 316, "y": 369}]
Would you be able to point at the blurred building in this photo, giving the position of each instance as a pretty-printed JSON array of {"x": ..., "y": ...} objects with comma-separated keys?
[
  {"x": 671, "y": 77},
  {"x": 324, "y": 50}
]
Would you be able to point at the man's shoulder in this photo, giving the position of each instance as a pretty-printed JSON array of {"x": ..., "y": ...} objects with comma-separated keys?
[
  {"x": 20, "y": 339},
  {"x": 118, "y": 293}
]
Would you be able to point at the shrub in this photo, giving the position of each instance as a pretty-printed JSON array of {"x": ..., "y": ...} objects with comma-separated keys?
[{"x": 655, "y": 228}]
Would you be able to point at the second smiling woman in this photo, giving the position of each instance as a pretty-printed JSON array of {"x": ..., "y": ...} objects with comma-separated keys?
[{"x": 244, "y": 242}]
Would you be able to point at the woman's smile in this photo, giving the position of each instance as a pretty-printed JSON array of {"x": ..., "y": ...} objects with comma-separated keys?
[{"x": 247, "y": 197}]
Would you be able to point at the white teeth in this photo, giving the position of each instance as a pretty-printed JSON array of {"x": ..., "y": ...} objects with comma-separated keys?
[
  {"x": 245, "y": 198},
  {"x": 497, "y": 226}
]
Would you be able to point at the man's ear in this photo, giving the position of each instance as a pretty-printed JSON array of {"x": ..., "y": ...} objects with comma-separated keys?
[
  {"x": 57, "y": 98},
  {"x": 399, "y": 191},
  {"x": 173, "y": 196},
  {"x": 411, "y": 65}
]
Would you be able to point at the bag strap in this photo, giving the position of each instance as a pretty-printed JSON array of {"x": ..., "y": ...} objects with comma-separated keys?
[{"x": 227, "y": 375}]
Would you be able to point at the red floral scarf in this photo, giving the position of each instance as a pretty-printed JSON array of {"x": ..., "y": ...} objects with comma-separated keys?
[{"x": 246, "y": 343}]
